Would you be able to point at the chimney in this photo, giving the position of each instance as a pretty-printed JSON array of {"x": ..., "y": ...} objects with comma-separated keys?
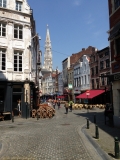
[{"x": 83, "y": 49}]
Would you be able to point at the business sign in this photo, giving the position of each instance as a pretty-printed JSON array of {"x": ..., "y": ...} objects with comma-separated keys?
[{"x": 70, "y": 86}]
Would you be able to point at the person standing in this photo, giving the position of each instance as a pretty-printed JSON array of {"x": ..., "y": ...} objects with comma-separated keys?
[
  {"x": 19, "y": 107},
  {"x": 53, "y": 103},
  {"x": 66, "y": 106},
  {"x": 70, "y": 104},
  {"x": 58, "y": 103}
]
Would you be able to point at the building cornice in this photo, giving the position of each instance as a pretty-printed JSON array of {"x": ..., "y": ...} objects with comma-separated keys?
[{"x": 14, "y": 11}]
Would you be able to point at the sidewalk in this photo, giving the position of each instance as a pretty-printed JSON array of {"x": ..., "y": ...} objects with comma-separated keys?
[{"x": 106, "y": 133}]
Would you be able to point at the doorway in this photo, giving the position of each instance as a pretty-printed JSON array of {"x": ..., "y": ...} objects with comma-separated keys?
[{"x": 15, "y": 100}]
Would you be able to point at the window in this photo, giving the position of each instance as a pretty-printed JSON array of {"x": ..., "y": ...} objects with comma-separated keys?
[
  {"x": 2, "y": 59},
  {"x": 92, "y": 70},
  {"x": 107, "y": 53},
  {"x": 107, "y": 63},
  {"x": 102, "y": 79},
  {"x": 96, "y": 69},
  {"x": 92, "y": 83},
  {"x": 118, "y": 46},
  {"x": 3, "y": 3},
  {"x": 108, "y": 78},
  {"x": 117, "y": 3},
  {"x": 18, "y": 61},
  {"x": 101, "y": 56},
  {"x": 18, "y": 31},
  {"x": 85, "y": 80},
  {"x": 93, "y": 58},
  {"x": 101, "y": 65},
  {"x": 85, "y": 67},
  {"x": 18, "y": 6},
  {"x": 79, "y": 81},
  {"x": 2, "y": 29},
  {"x": 88, "y": 79},
  {"x": 97, "y": 83}
]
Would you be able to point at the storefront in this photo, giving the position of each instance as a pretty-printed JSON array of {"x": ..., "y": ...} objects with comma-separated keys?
[{"x": 14, "y": 93}]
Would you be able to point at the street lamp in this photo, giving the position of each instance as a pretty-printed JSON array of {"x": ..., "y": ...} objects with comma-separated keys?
[{"x": 87, "y": 94}]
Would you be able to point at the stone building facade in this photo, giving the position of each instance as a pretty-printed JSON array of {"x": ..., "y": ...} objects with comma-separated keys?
[{"x": 18, "y": 54}]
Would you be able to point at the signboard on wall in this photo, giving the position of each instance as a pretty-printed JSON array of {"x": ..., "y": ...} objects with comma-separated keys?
[{"x": 70, "y": 86}]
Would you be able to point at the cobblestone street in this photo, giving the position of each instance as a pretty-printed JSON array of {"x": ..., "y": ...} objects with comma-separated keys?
[{"x": 59, "y": 138}]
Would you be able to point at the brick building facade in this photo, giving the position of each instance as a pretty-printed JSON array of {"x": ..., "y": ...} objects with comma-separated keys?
[{"x": 114, "y": 39}]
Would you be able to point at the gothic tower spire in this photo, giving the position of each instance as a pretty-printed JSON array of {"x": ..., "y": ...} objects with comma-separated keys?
[{"x": 48, "y": 53}]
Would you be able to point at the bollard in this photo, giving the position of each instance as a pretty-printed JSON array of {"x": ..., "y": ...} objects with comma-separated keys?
[
  {"x": 96, "y": 132},
  {"x": 12, "y": 118},
  {"x": 37, "y": 117},
  {"x": 87, "y": 123},
  {"x": 94, "y": 119},
  {"x": 117, "y": 152}
]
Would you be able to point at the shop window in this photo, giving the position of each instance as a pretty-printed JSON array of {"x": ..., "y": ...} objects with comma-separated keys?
[
  {"x": 18, "y": 61},
  {"x": 17, "y": 89},
  {"x": 2, "y": 59},
  {"x": 2, "y": 29}
]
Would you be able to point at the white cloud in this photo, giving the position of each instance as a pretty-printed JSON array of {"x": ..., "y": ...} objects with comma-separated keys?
[
  {"x": 89, "y": 19},
  {"x": 77, "y": 2},
  {"x": 97, "y": 33}
]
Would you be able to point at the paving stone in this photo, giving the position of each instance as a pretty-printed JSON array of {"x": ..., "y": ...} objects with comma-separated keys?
[{"x": 44, "y": 139}]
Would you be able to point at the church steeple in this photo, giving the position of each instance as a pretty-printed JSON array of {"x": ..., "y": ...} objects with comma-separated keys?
[{"x": 48, "y": 53}]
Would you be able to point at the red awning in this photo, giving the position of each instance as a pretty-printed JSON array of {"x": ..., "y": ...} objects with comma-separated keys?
[
  {"x": 60, "y": 96},
  {"x": 90, "y": 94}
]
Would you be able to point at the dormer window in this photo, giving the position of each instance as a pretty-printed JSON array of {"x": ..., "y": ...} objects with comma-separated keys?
[
  {"x": 18, "y": 6},
  {"x": 3, "y": 3}
]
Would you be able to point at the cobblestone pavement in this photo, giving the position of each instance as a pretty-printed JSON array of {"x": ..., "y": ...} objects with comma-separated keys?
[{"x": 59, "y": 138}]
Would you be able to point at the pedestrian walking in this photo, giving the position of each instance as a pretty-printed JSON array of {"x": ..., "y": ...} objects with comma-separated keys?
[
  {"x": 70, "y": 104},
  {"x": 58, "y": 104},
  {"x": 19, "y": 107},
  {"x": 54, "y": 103},
  {"x": 66, "y": 106}
]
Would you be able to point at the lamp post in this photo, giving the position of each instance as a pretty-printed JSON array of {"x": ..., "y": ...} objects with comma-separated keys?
[{"x": 87, "y": 94}]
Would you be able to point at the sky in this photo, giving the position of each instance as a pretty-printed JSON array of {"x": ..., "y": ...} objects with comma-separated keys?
[{"x": 73, "y": 25}]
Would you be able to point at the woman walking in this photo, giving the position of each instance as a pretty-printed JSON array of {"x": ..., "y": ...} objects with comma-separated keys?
[{"x": 66, "y": 106}]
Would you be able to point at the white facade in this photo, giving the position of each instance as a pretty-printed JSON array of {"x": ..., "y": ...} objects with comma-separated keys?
[
  {"x": 48, "y": 85},
  {"x": 14, "y": 44},
  {"x": 60, "y": 83},
  {"x": 82, "y": 75},
  {"x": 18, "y": 56}
]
